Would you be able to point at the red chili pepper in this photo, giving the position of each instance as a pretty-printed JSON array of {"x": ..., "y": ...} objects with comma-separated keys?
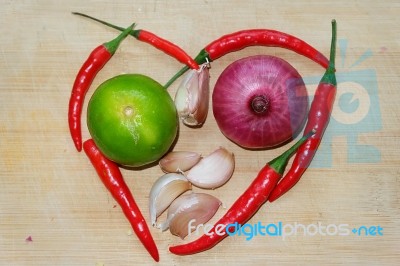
[
  {"x": 111, "y": 176},
  {"x": 261, "y": 37},
  {"x": 318, "y": 119},
  {"x": 224, "y": 45},
  {"x": 154, "y": 40},
  {"x": 93, "y": 64},
  {"x": 245, "y": 206},
  {"x": 166, "y": 46},
  {"x": 252, "y": 37}
]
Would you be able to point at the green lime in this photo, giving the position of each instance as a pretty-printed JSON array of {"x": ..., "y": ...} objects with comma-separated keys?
[{"x": 132, "y": 119}]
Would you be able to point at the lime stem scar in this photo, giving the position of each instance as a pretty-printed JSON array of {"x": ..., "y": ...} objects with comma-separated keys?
[{"x": 128, "y": 111}]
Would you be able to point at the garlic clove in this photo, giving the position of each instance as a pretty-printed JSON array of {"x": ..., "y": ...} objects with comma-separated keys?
[
  {"x": 192, "y": 97},
  {"x": 186, "y": 96},
  {"x": 179, "y": 161},
  {"x": 193, "y": 209},
  {"x": 198, "y": 117},
  {"x": 213, "y": 170},
  {"x": 164, "y": 191}
]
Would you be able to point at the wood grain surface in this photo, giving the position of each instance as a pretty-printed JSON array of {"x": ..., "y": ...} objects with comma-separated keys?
[{"x": 51, "y": 193}]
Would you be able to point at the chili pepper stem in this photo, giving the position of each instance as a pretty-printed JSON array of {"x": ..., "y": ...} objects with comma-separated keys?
[
  {"x": 201, "y": 58},
  {"x": 176, "y": 76},
  {"x": 246, "y": 205},
  {"x": 318, "y": 118},
  {"x": 113, "y": 45},
  {"x": 280, "y": 162},
  {"x": 329, "y": 76},
  {"x": 134, "y": 33},
  {"x": 225, "y": 44}
]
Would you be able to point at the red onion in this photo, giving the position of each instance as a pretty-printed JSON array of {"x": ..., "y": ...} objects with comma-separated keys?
[{"x": 260, "y": 102}]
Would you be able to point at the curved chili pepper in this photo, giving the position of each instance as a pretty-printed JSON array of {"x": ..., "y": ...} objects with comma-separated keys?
[
  {"x": 245, "y": 206},
  {"x": 261, "y": 37},
  {"x": 318, "y": 119},
  {"x": 252, "y": 37},
  {"x": 227, "y": 44},
  {"x": 93, "y": 64},
  {"x": 166, "y": 46},
  {"x": 111, "y": 177}
]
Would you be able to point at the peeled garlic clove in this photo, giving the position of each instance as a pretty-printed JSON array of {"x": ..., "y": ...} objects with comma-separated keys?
[
  {"x": 193, "y": 209},
  {"x": 179, "y": 161},
  {"x": 192, "y": 97},
  {"x": 214, "y": 170},
  {"x": 164, "y": 191}
]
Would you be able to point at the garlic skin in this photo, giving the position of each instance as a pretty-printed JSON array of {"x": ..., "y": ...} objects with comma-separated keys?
[
  {"x": 192, "y": 97},
  {"x": 213, "y": 170},
  {"x": 179, "y": 161},
  {"x": 164, "y": 191},
  {"x": 199, "y": 207}
]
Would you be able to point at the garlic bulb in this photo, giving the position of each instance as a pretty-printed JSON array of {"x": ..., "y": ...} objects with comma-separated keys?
[
  {"x": 193, "y": 209},
  {"x": 179, "y": 161},
  {"x": 192, "y": 97},
  {"x": 164, "y": 191},
  {"x": 213, "y": 170}
]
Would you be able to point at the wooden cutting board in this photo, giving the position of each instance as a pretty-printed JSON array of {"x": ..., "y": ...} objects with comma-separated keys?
[{"x": 54, "y": 209}]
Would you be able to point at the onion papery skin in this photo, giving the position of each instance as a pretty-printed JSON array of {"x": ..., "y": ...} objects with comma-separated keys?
[{"x": 260, "y": 102}]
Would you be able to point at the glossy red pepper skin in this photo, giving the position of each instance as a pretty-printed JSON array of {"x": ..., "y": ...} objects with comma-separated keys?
[
  {"x": 262, "y": 37},
  {"x": 164, "y": 45},
  {"x": 93, "y": 64},
  {"x": 318, "y": 120},
  {"x": 113, "y": 180},
  {"x": 253, "y": 37},
  {"x": 245, "y": 206},
  {"x": 265, "y": 183},
  {"x": 224, "y": 45},
  {"x": 167, "y": 47},
  {"x": 240, "y": 212}
]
